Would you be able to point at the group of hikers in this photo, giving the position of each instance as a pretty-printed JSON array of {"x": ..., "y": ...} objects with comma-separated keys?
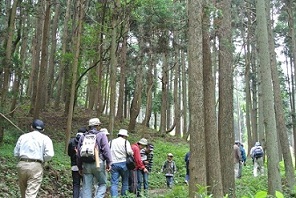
[
  {"x": 256, "y": 153},
  {"x": 92, "y": 155}
]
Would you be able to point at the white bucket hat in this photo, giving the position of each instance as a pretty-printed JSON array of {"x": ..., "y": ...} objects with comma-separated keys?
[
  {"x": 94, "y": 122},
  {"x": 104, "y": 130},
  {"x": 143, "y": 141},
  {"x": 123, "y": 132},
  {"x": 170, "y": 155}
]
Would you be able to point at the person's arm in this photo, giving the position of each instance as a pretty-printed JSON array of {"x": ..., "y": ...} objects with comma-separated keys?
[
  {"x": 71, "y": 150},
  {"x": 16, "y": 150},
  {"x": 48, "y": 150},
  {"x": 129, "y": 149},
  {"x": 79, "y": 162},
  {"x": 105, "y": 148},
  {"x": 175, "y": 167},
  {"x": 137, "y": 157}
]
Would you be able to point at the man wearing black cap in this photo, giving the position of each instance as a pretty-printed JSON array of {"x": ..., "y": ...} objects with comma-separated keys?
[
  {"x": 72, "y": 152},
  {"x": 32, "y": 149}
]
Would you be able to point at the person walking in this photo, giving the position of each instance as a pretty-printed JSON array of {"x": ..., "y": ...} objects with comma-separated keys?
[
  {"x": 186, "y": 159},
  {"x": 257, "y": 154},
  {"x": 169, "y": 168},
  {"x": 133, "y": 174},
  {"x": 244, "y": 159},
  {"x": 147, "y": 159},
  {"x": 32, "y": 149},
  {"x": 119, "y": 147},
  {"x": 237, "y": 158},
  {"x": 72, "y": 152},
  {"x": 89, "y": 169}
]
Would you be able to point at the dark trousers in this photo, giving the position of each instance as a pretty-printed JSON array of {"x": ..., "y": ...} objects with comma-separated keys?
[
  {"x": 76, "y": 177},
  {"x": 132, "y": 181}
]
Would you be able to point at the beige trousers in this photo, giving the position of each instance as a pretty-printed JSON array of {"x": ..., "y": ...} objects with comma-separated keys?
[{"x": 30, "y": 177}]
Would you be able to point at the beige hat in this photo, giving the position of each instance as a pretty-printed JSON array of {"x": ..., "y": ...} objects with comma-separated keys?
[
  {"x": 170, "y": 155},
  {"x": 94, "y": 122},
  {"x": 143, "y": 141},
  {"x": 123, "y": 132},
  {"x": 104, "y": 130}
]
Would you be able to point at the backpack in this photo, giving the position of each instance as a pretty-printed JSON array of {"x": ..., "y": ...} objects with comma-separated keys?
[
  {"x": 258, "y": 152},
  {"x": 87, "y": 150}
]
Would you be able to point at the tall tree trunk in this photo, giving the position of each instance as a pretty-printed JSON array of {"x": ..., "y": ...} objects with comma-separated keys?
[
  {"x": 184, "y": 96},
  {"x": 176, "y": 77},
  {"x": 164, "y": 91},
  {"x": 100, "y": 98},
  {"x": 119, "y": 115},
  {"x": 149, "y": 87},
  {"x": 274, "y": 179},
  {"x": 113, "y": 64},
  {"x": 197, "y": 166},
  {"x": 7, "y": 62},
  {"x": 52, "y": 55},
  {"x": 137, "y": 97},
  {"x": 64, "y": 50},
  {"x": 23, "y": 27},
  {"x": 225, "y": 115},
  {"x": 279, "y": 113},
  {"x": 39, "y": 103},
  {"x": 289, "y": 8},
  {"x": 36, "y": 57},
  {"x": 77, "y": 39},
  {"x": 214, "y": 176}
]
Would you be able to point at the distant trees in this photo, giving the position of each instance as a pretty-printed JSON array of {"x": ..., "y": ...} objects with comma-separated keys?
[{"x": 147, "y": 62}]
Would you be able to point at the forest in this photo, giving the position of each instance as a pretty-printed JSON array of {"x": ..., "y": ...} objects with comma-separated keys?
[{"x": 202, "y": 72}]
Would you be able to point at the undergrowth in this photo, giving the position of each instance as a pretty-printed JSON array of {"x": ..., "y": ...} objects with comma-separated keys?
[{"x": 57, "y": 175}]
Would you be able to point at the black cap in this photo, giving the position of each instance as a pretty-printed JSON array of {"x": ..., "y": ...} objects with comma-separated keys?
[
  {"x": 82, "y": 130},
  {"x": 38, "y": 124}
]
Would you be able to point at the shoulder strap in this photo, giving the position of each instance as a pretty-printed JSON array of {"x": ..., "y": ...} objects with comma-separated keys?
[{"x": 125, "y": 147}]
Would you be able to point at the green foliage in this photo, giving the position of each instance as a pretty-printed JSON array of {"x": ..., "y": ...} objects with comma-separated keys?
[{"x": 57, "y": 175}]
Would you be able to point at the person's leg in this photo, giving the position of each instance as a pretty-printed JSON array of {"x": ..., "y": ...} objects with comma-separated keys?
[
  {"x": 101, "y": 179},
  {"x": 114, "y": 179},
  {"x": 145, "y": 183},
  {"x": 87, "y": 180},
  {"x": 260, "y": 164},
  {"x": 255, "y": 171},
  {"x": 35, "y": 175},
  {"x": 22, "y": 178},
  {"x": 140, "y": 174},
  {"x": 124, "y": 173},
  {"x": 240, "y": 168},
  {"x": 76, "y": 184},
  {"x": 171, "y": 181},
  {"x": 236, "y": 169},
  {"x": 167, "y": 181}
]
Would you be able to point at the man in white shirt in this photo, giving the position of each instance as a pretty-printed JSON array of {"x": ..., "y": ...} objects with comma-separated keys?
[
  {"x": 120, "y": 147},
  {"x": 32, "y": 149}
]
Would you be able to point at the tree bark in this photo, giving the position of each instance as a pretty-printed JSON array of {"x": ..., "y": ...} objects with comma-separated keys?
[
  {"x": 77, "y": 39},
  {"x": 274, "y": 179},
  {"x": 113, "y": 65},
  {"x": 225, "y": 115},
  {"x": 214, "y": 176},
  {"x": 279, "y": 113},
  {"x": 197, "y": 166},
  {"x": 41, "y": 86}
]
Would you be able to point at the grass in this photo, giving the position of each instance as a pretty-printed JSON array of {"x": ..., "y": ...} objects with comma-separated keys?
[{"x": 57, "y": 175}]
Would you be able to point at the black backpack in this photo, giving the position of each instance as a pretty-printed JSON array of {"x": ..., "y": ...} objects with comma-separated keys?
[{"x": 258, "y": 152}]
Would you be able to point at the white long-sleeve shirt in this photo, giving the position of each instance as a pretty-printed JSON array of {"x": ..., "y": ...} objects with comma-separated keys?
[
  {"x": 118, "y": 152},
  {"x": 34, "y": 145}
]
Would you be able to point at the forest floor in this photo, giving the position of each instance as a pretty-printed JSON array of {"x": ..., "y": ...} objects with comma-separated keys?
[{"x": 57, "y": 177}]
